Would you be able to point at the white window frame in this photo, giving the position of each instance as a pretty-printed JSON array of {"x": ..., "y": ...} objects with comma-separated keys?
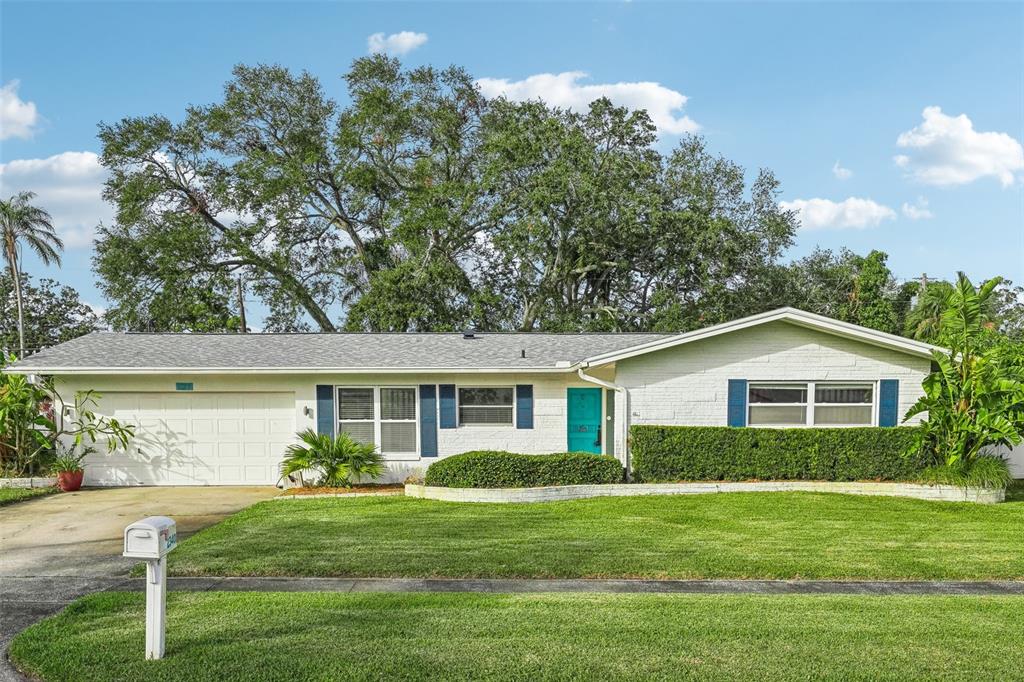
[
  {"x": 378, "y": 420},
  {"x": 458, "y": 407},
  {"x": 811, "y": 401},
  {"x": 372, "y": 420}
]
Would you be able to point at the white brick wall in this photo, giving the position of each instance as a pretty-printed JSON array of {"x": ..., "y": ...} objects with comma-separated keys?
[
  {"x": 1015, "y": 458},
  {"x": 549, "y": 390},
  {"x": 688, "y": 384}
]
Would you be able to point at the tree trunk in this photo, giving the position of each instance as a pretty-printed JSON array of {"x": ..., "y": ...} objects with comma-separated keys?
[{"x": 12, "y": 260}]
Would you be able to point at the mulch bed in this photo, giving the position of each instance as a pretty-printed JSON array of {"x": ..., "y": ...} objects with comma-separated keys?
[{"x": 356, "y": 489}]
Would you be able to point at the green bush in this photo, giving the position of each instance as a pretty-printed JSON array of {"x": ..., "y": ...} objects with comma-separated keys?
[
  {"x": 718, "y": 453},
  {"x": 498, "y": 469},
  {"x": 984, "y": 471}
]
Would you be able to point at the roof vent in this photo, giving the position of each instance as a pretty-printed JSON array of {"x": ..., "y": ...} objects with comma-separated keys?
[{"x": 468, "y": 334}]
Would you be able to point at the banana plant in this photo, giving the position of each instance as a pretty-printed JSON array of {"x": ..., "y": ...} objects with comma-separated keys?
[{"x": 974, "y": 401}]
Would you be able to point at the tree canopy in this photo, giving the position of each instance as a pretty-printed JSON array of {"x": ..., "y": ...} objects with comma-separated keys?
[
  {"x": 53, "y": 313},
  {"x": 420, "y": 205}
]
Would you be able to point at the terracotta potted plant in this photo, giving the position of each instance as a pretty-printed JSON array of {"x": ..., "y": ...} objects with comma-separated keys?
[{"x": 69, "y": 472}]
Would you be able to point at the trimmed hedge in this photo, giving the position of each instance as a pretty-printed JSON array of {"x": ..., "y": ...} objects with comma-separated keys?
[
  {"x": 718, "y": 453},
  {"x": 498, "y": 469}
]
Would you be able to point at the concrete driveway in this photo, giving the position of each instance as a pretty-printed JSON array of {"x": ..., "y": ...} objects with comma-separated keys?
[{"x": 55, "y": 549}]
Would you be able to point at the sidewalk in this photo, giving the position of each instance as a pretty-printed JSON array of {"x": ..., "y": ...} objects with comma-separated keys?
[{"x": 498, "y": 585}]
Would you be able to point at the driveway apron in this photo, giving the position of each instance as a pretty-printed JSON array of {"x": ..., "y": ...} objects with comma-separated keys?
[{"x": 57, "y": 548}]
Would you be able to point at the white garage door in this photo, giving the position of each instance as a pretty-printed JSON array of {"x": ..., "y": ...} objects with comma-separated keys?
[{"x": 196, "y": 439}]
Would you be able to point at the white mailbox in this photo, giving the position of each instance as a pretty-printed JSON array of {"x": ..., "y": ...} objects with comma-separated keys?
[{"x": 151, "y": 538}]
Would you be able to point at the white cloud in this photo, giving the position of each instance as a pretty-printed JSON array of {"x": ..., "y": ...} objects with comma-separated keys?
[
  {"x": 564, "y": 90},
  {"x": 396, "y": 43},
  {"x": 918, "y": 210},
  {"x": 947, "y": 150},
  {"x": 17, "y": 117},
  {"x": 840, "y": 172},
  {"x": 68, "y": 185},
  {"x": 824, "y": 214},
  {"x": 99, "y": 309}
]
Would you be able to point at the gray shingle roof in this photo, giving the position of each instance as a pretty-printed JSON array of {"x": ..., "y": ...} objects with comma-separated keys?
[{"x": 500, "y": 351}]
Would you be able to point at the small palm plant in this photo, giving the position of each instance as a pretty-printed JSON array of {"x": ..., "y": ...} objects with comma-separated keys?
[{"x": 339, "y": 460}]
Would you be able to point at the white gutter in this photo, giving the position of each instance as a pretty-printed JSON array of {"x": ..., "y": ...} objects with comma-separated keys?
[{"x": 622, "y": 416}]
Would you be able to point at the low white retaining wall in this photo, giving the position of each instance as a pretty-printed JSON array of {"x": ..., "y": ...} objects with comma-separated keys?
[
  {"x": 946, "y": 493},
  {"x": 27, "y": 482}
]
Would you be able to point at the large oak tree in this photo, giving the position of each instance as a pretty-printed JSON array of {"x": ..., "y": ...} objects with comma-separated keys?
[{"x": 420, "y": 205}]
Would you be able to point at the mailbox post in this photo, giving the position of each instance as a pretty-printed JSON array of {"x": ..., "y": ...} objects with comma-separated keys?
[{"x": 151, "y": 539}]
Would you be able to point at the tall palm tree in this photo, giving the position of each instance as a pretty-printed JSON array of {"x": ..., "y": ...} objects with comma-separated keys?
[
  {"x": 924, "y": 321},
  {"x": 21, "y": 222}
]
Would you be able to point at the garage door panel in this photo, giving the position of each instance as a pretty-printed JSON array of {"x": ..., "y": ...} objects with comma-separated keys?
[
  {"x": 254, "y": 402},
  {"x": 278, "y": 425},
  {"x": 257, "y": 473},
  {"x": 151, "y": 403},
  {"x": 196, "y": 439}
]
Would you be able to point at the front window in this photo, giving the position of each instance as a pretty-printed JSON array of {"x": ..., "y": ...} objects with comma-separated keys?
[
  {"x": 485, "y": 406},
  {"x": 843, "y": 405},
  {"x": 398, "y": 420},
  {"x": 356, "y": 414},
  {"x": 778, "y": 404},
  {"x": 385, "y": 417},
  {"x": 810, "y": 404}
]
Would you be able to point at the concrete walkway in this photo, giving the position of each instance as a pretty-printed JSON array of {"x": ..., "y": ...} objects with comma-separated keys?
[{"x": 498, "y": 585}]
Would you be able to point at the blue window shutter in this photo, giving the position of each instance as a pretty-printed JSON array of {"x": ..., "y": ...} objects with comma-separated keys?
[
  {"x": 888, "y": 402},
  {"x": 325, "y": 409},
  {"x": 737, "y": 402},
  {"x": 447, "y": 395},
  {"x": 428, "y": 420},
  {"x": 524, "y": 406}
]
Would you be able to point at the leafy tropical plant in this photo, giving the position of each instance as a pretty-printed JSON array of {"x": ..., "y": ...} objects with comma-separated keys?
[
  {"x": 339, "y": 460},
  {"x": 974, "y": 399},
  {"x": 81, "y": 428},
  {"x": 68, "y": 463},
  {"x": 25, "y": 427},
  {"x": 21, "y": 222},
  {"x": 32, "y": 432}
]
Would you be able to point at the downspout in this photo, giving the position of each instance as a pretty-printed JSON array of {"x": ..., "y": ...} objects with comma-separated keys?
[{"x": 622, "y": 418}]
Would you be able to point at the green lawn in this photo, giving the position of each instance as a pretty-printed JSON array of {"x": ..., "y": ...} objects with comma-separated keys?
[
  {"x": 747, "y": 535},
  {"x": 12, "y": 495},
  {"x": 275, "y": 636}
]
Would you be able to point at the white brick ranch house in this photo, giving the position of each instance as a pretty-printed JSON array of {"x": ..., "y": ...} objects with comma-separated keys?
[{"x": 215, "y": 409}]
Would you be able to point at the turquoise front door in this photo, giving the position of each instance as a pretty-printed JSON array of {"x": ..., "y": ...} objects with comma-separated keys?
[{"x": 584, "y": 419}]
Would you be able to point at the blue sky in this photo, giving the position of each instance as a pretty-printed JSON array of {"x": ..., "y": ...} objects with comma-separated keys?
[{"x": 891, "y": 126}]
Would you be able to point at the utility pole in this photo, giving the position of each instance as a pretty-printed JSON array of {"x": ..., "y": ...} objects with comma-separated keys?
[
  {"x": 241, "y": 306},
  {"x": 924, "y": 281}
]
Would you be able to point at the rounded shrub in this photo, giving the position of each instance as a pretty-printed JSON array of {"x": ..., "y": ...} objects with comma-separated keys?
[{"x": 499, "y": 469}]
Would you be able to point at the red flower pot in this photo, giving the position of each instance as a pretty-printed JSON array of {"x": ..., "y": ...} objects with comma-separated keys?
[{"x": 70, "y": 481}]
